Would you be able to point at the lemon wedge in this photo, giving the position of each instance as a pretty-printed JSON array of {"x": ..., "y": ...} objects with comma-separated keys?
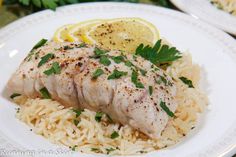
[
  {"x": 75, "y": 32},
  {"x": 121, "y": 33},
  {"x": 61, "y": 33}
]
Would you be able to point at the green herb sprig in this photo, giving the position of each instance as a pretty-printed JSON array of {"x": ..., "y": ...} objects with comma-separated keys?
[
  {"x": 45, "y": 58},
  {"x": 45, "y": 94},
  {"x": 158, "y": 54},
  {"x": 98, "y": 116},
  {"x": 188, "y": 82},
  {"x": 150, "y": 89},
  {"x": 114, "y": 135},
  {"x": 117, "y": 74},
  {"x": 53, "y": 4},
  {"x": 48, "y": 4},
  {"x": 134, "y": 79},
  {"x": 37, "y": 45},
  {"x": 40, "y": 43},
  {"x": 95, "y": 150},
  {"x": 77, "y": 112},
  {"x": 166, "y": 109},
  {"x": 55, "y": 69},
  {"x": 97, "y": 73},
  {"x": 74, "y": 147},
  {"x": 109, "y": 150},
  {"x": 15, "y": 95}
]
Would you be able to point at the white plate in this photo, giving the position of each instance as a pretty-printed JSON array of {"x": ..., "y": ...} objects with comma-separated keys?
[
  {"x": 211, "y": 48},
  {"x": 204, "y": 10}
]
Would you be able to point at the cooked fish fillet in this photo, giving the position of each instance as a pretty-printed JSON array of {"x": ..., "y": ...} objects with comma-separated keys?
[{"x": 126, "y": 99}]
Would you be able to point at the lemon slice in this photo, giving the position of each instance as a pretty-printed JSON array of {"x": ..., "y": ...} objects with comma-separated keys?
[
  {"x": 122, "y": 34},
  {"x": 75, "y": 32},
  {"x": 61, "y": 33}
]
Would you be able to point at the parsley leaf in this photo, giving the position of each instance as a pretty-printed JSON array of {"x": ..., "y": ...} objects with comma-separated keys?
[
  {"x": 55, "y": 69},
  {"x": 25, "y": 2},
  {"x": 114, "y": 135},
  {"x": 51, "y": 4},
  {"x": 76, "y": 122},
  {"x": 117, "y": 59},
  {"x": 163, "y": 79},
  {"x": 95, "y": 149},
  {"x": 143, "y": 72},
  {"x": 81, "y": 45},
  {"x": 45, "y": 94},
  {"x": 15, "y": 95},
  {"x": 166, "y": 109},
  {"x": 187, "y": 82},
  {"x": 98, "y": 116},
  {"x": 37, "y": 3},
  {"x": 98, "y": 52},
  {"x": 117, "y": 74},
  {"x": 74, "y": 147},
  {"x": 150, "y": 88},
  {"x": 78, "y": 112},
  {"x": 104, "y": 60},
  {"x": 128, "y": 63},
  {"x": 158, "y": 53},
  {"x": 97, "y": 73},
  {"x": 45, "y": 58},
  {"x": 109, "y": 150},
  {"x": 39, "y": 44},
  {"x": 134, "y": 79},
  {"x": 67, "y": 47}
]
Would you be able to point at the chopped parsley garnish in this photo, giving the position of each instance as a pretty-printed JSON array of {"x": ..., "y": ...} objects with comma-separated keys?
[
  {"x": 67, "y": 47},
  {"x": 97, "y": 73},
  {"x": 134, "y": 79},
  {"x": 76, "y": 122},
  {"x": 117, "y": 74},
  {"x": 114, "y": 135},
  {"x": 55, "y": 69},
  {"x": 104, "y": 60},
  {"x": 118, "y": 59},
  {"x": 98, "y": 116},
  {"x": 15, "y": 95},
  {"x": 40, "y": 43},
  {"x": 109, "y": 150},
  {"x": 150, "y": 89},
  {"x": 95, "y": 149},
  {"x": 74, "y": 147},
  {"x": 45, "y": 58},
  {"x": 142, "y": 152},
  {"x": 77, "y": 112},
  {"x": 128, "y": 63},
  {"x": 158, "y": 53},
  {"x": 187, "y": 82},
  {"x": 98, "y": 52},
  {"x": 81, "y": 45},
  {"x": 166, "y": 109},
  {"x": 163, "y": 79},
  {"x": 143, "y": 72},
  {"x": 45, "y": 94}
]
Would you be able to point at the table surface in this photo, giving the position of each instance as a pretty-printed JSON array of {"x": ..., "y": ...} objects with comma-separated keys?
[{"x": 10, "y": 13}]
